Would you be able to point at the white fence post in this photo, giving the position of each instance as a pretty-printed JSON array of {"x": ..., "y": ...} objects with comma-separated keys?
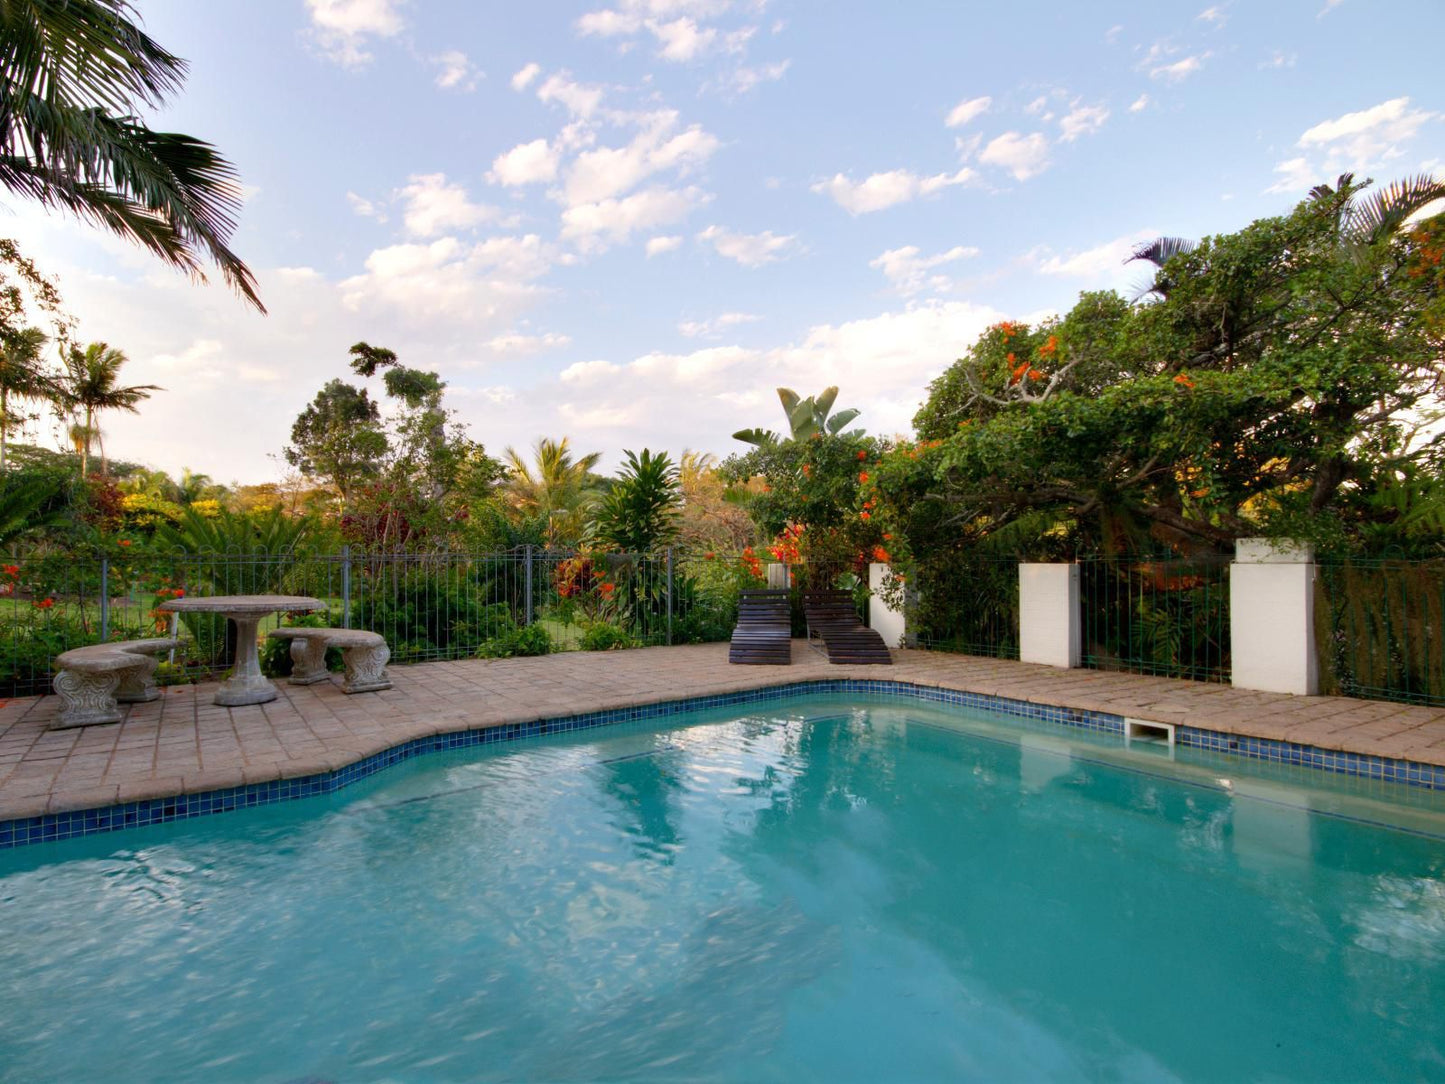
[
  {"x": 779, "y": 575},
  {"x": 882, "y": 618},
  {"x": 1049, "y": 625},
  {"x": 1272, "y": 617}
]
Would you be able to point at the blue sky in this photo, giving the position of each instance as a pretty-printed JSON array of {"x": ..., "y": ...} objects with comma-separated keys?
[{"x": 628, "y": 223}]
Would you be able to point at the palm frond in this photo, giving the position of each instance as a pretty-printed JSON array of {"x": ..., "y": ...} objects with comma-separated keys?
[
  {"x": 1162, "y": 249},
  {"x": 1385, "y": 210}
]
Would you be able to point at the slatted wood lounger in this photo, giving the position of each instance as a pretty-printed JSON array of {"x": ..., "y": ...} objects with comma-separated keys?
[
  {"x": 833, "y": 618},
  {"x": 764, "y": 635}
]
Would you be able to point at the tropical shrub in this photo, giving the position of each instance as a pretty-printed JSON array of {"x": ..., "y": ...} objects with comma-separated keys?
[
  {"x": 514, "y": 641},
  {"x": 604, "y": 636}
]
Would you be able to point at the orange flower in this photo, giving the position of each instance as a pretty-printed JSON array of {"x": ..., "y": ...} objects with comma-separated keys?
[
  {"x": 864, "y": 516},
  {"x": 125, "y": 541},
  {"x": 887, "y": 537},
  {"x": 1034, "y": 374},
  {"x": 608, "y": 588},
  {"x": 709, "y": 556},
  {"x": 1050, "y": 348},
  {"x": 862, "y": 476},
  {"x": 44, "y": 603},
  {"x": 1012, "y": 359},
  {"x": 1183, "y": 380},
  {"x": 862, "y": 456},
  {"x": 880, "y": 554},
  {"x": 1018, "y": 372},
  {"x": 178, "y": 592},
  {"x": 807, "y": 471},
  {"x": 11, "y": 570}
]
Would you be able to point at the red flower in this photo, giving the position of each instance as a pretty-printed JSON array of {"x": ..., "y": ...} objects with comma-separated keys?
[
  {"x": 880, "y": 554},
  {"x": 709, "y": 556},
  {"x": 43, "y": 603},
  {"x": 887, "y": 537},
  {"x": 862, "y": 456},
  {"x": 864, "y": 516},
  {"x": 11, "y": 570},
  {"x": 125, "y": 542},
  {"x": 863, "y": 476},
  {"x": 1183, "y": 381},
  {"x": 608, "y": 588},
  {"x": 177, "y": 592}
]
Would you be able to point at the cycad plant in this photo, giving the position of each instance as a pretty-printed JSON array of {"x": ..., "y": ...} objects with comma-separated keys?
[{"x": 75, "y": 75}]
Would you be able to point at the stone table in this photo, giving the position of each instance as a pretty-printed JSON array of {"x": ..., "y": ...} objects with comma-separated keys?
[{"x": 246, "y": 685}]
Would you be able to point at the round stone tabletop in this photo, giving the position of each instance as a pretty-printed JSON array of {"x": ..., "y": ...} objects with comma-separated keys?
[{"x": 242, "y": 604}]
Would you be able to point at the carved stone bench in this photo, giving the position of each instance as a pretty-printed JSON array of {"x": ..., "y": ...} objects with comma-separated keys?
[
  {"x": 364, "y": 653},
  {"x": 94, "y": 681}
]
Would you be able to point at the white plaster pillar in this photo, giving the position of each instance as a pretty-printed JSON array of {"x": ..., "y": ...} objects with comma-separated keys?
[
  {"x": 882, "y": 618},
  {"x": 1049, "y": 626},
  {"x": 1272, "y": 617}
]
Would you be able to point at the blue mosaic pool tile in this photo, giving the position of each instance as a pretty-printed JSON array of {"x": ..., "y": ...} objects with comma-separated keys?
[{"x": 60, "y": 826}]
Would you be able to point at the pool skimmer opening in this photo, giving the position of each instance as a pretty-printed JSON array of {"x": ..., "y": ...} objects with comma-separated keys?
[{"x": 1148, "y": 732}]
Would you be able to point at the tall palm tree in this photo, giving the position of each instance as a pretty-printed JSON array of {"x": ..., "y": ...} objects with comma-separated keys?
[
  {"x": 74, "y": 77},
  {"x": 90, "y": 385},
  {"x": 555, "y": 485},
  {"x": 22, "y": 377}
]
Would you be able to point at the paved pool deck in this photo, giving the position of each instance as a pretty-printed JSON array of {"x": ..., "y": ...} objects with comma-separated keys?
[{"x": 185, "y": 744}]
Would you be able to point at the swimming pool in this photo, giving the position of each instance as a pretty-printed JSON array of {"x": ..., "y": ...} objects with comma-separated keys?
[{"x": 841, "y": 887}]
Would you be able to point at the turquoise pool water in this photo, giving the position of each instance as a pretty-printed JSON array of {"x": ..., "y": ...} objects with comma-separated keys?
[{"x": 824, "y": 889}]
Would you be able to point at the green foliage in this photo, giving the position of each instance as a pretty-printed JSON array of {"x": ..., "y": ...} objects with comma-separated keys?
[
  {"x": 514, "y": 641},
  {"x": 74, "y": 79},
  {"x": 1277, "y": 383},
  {"x": 430, "y": 615},
  {"x": 805, "y": 418},
  {"x": 31, "y": 501},
  {"x": 640, "y": 513},
  {"x": 604, "y": 636},
  {"x": 338, "y": 438},
  {"x": 555, "y": 488}
]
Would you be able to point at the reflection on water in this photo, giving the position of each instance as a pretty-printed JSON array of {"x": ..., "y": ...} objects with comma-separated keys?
[{"x": 836, "y": 893}]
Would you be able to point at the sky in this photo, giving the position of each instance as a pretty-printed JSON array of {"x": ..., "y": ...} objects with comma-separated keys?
[{"x": 629, "y": 222}]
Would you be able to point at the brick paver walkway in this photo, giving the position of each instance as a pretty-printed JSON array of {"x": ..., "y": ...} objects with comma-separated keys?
[{"x": 183, "y": 743}]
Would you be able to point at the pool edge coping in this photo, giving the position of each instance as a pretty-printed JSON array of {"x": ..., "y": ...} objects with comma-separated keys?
[{"x": 63, "y": 824}]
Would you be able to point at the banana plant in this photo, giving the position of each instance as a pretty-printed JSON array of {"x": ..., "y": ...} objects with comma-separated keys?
[{"x": 806, "y": 418}]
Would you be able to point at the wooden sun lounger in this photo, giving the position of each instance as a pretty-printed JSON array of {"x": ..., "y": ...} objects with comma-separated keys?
[
  {"x": 833, "y": 619},
  {"x": 764, "y": 634}
]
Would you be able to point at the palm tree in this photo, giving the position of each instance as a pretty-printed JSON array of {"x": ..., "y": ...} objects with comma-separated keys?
[
  {"x": 21, "y": 377},
  {"x": 74, "y": 77},
  {"x": 555, "y": 485},
  {"x": 90, "y": 385},
  {"x": 1360, "y": 221}
]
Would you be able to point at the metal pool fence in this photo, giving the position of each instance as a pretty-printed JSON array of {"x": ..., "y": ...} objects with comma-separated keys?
[
  {"x": 1380, "y": 629},
  {"x": 1168, "y": 617},
  {"x": 969, "y": 605},
  {"x": 443, "y": 605}
]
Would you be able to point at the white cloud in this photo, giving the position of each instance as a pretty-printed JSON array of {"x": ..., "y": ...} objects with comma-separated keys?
[
  {"x": 1103, "y": 264},
  {"x": 656, "y": 246},
  {"x": 1179, "y": 69},
  {"x": 883, "y": 363},
  {"x": 748, "y": 249},
  {"x": 432, "y": 206},
  {"x": 365, "y": 208},
  {"x": 457, "y": 72},
  {"x": 515, "y": 343},
  {"x": 343, "y": 27},
  {"x": 578, "y": 99},
  {"x": 1082, "y": 120},
  {"x": 581, "y": 372},
  {"x": 743, "y": 79},
  {"x": 527, "y": 163},
  {"x": 592, "y": 226},
  {"x": 600, "y": 174},
  {"x": 1139, "y": 104},
  {"x": 1355, "y": 142},
  {"x": 967, "y": 110},
  {"x": 883, "y": 190},
  {"x": 682, "y": 39},
  {"x": 524, "y": 76},
  {"x": 907, "y": 269},
  {"x": 446, "y": 279},
  {"x": 1036, "y": 107},
  {"x": 1024, "y": 156},
  {"x": 711, "y": 329},
  {"x": 1279, "y": 59},
  {"x": 1213, "y": 15}
]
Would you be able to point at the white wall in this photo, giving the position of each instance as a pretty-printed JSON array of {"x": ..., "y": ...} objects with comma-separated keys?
[
  {"x": 887, "y": 622},
  {"x": 1049, "y": 628},
  {"x": 1272, "y": 617}
]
